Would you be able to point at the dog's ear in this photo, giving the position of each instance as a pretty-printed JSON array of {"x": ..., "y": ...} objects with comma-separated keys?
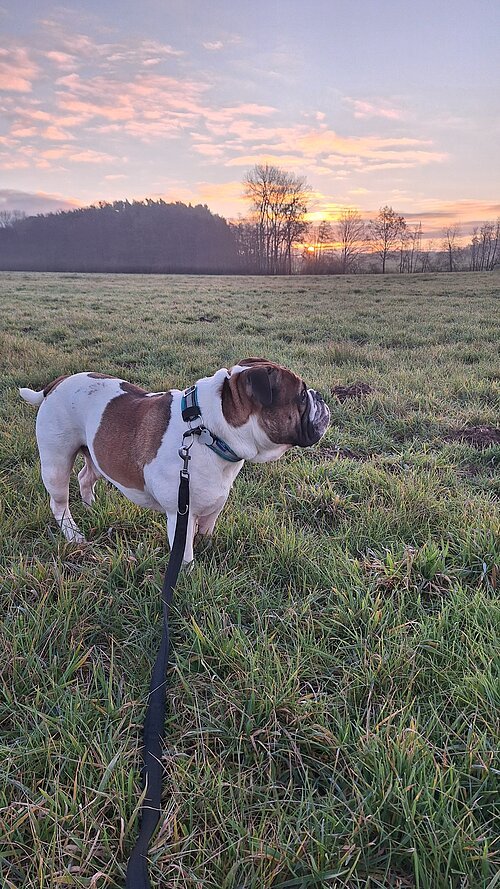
[{"x": 258, "y": 382}]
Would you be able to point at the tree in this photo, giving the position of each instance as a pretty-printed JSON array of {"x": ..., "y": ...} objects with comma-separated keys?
[
  {"x": 246, "y": 237},
  {"x": 137, "y": 236},
  {"x": 317, "y": 257},
  {"x": 350, "y": 233},
  {"x": 484, "y": 247},
  {"x": 450, "y": 246},
  {"x": 385, "y": 232},
  {"x": 411, "y": 247},
  {"x": 279, "y": 203}
]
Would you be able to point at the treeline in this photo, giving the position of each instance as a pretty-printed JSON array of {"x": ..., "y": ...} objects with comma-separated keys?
[
  {"x": 274, "y": 239},
  {"x": 388, "y": 243},
  {"x": 123, "y": 236},
  {"x": 269, "y": 239}
]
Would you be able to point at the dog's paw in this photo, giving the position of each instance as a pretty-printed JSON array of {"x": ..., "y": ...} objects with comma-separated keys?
[{"x": 75, "y": 537}]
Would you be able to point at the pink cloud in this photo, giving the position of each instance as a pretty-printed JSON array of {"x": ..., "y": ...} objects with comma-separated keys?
[
  {"x": 89, "y": 156},
  {"x": 21, "y": 132},
  {"x": 321, "y": 149},
  {"x": 56, "y": 134},
  {"x": 17, "y": 70},
  {"x": 376, "y": 108},
  {"x": 149, "y": 106},
  {"x": 63, "y": 60},
  {"x": 73, "y": 155},
  {"x": 82, "y": 48}
]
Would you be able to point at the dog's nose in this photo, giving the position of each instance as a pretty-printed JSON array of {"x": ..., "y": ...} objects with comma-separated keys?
[{"x": 320, "y": 412}]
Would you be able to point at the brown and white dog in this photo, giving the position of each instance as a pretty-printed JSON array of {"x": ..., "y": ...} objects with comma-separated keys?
[{"x": 131, "y": 437}]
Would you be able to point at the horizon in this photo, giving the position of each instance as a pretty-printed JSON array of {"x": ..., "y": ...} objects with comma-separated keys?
[{"x": 175, "y": 106}]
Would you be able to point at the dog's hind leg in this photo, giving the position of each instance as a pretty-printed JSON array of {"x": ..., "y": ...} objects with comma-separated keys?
[
  {"x": 56, "y": 470},
  {"x": 87, "y": 477}
]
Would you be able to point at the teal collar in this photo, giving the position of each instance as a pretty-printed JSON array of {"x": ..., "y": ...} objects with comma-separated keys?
[{"x": 191, "y": 411}]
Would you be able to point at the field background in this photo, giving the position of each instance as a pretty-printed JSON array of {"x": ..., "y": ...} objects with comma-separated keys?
[{"x": 334, "y": 701}]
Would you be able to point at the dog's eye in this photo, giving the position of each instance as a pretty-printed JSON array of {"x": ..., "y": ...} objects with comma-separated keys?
[{"x": 303, "y": 395}]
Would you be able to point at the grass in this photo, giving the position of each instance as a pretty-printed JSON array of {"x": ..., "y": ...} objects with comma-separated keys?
[{"x": 333, "y": 706}]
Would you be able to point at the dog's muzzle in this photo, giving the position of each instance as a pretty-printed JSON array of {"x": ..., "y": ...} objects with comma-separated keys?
[{"x": 315, "y": 420}]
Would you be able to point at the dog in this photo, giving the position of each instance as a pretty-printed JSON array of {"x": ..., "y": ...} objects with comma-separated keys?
[{"x": 255, "y": 411}]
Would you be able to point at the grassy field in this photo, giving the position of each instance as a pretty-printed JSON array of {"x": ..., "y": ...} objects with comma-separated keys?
[{"x": 333, "y": 707}]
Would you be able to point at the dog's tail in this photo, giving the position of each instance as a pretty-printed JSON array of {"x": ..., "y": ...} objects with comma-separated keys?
[{"x": 32, "y": 397}]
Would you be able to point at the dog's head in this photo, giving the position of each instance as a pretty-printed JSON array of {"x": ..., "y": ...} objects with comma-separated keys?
[{"x": 287, "y": 411}]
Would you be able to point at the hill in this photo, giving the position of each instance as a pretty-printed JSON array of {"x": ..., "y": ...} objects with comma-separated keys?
[{"x": 138, "y": 236}]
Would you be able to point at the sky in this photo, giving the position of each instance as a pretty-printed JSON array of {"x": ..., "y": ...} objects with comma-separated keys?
[{"x": 373, "y": 101}]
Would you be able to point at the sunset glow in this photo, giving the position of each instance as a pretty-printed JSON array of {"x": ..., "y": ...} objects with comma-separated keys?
[{"x": 106, "y": 102}]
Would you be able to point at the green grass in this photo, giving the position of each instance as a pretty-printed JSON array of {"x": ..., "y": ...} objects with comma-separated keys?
[{"x": 333, "y": 707}]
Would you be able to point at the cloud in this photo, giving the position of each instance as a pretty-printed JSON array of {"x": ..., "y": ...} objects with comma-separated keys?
[
  {"x": 225, "y": 198},
  {"x": 17, "y": 70},
  {"x": 149, "y": 106},
  {"x": 217, "y": 45},
  {"x": 84, "y": 156},
  {"x": 71, "y": 49},
  {"x": 323, "y": 151},
  {"x": 375, "y": 108},
  {"x": 435, "y": 215},
  {"x": 287, "y": 161},
  {"x": 63, "y": 60},
  {"x": 56, "y": 134},
  {"x": 32, "y": 203},
  {"x": 467, "y": 212}
]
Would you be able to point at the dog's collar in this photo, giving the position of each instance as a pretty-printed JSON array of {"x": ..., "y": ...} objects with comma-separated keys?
[{"x": 191, "y": 411}]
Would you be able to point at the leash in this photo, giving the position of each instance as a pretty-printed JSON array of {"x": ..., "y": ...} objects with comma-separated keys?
[{"x": 152, "y": 771}]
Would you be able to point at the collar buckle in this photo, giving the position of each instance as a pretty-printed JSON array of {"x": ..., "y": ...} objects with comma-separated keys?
[
  {"x": 189, "y": 405},
  {"x": 190, "y": 410}
]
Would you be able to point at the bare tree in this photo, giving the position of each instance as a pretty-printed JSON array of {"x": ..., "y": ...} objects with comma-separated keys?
[
  {"x": 450, "y": 246},
  {"x": 410, "y": 248},
  {"x": 484, "y": 247},
  {"x": 493, "y": 245},
  {"x": 350, "y": 232},
  {"x": 474, "y": 251},
  {"x": 279, "y": 203},
  {"x": 385, "y": 232},
  {"x": 246, "y": 237}
]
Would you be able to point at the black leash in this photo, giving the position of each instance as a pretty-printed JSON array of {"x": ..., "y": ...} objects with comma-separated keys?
[{"x": 152, "y": 771}]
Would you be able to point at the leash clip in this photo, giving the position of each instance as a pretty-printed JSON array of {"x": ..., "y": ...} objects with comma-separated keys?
[{"x": 184, "y": 450}]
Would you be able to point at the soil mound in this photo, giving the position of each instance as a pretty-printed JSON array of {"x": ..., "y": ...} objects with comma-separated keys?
[
  {"x": 477, "y": 436},
  {"x": 355, "y": 390}
]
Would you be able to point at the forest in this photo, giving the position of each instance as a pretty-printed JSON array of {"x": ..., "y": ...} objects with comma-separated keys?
[
  {"x": 274, "y": 238},
  {"x": 123, "y": 236}
]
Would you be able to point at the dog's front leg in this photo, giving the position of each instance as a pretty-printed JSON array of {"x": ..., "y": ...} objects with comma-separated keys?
[{"x": 188, "y": 549}]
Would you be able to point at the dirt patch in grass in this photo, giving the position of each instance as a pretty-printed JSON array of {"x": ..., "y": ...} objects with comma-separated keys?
[
  {"x": 355, "y": 390},
  {"x": 333, "y": 453},
  {"x": 477, "y": 436}
]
